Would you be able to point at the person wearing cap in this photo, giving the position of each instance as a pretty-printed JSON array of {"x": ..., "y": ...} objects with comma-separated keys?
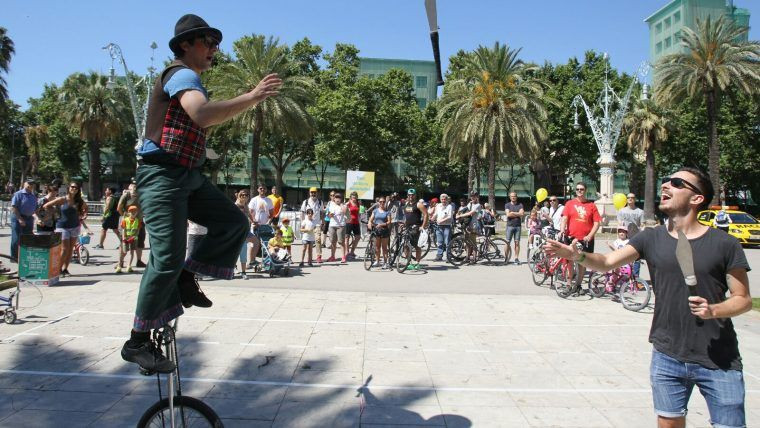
[
  {"x": 23, "y": 207},
  {"x": 314, "y": 203},
  {"x": 622, "y": 239},
  {"x": 287, "y": 235},
  {"x": 131, "y": 198},
  {"x": 415, "y": 219},
  {"x": 173, "y": 189}
]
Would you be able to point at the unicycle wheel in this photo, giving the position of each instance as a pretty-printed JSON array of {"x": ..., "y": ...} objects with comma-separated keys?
[{"x": 188, "y": 411}]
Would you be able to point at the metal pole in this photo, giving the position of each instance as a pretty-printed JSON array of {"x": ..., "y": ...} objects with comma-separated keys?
[{"x": 13, "y": 147}]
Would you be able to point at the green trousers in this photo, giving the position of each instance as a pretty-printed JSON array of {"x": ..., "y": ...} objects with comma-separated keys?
[{"x": 169, "y": 196}]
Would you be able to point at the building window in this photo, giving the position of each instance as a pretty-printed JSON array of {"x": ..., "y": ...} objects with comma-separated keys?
[
  {"x": 677, "y": 37},
  {"x": 667, "y": 42},
  {"x": 677, "y": 17},
  {"x": 658, "y": 28},
  {"x": 658, "y": 47},
  {"x": 667, "y": 23},
  {"x": 421, "y": 102},
  {"x": 420, "y": 82}
]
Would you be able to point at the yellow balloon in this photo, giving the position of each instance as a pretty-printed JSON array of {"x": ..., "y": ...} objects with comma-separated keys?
[
  {"x": 619, "y": 200},
  {"x": 541, "y": 194}
]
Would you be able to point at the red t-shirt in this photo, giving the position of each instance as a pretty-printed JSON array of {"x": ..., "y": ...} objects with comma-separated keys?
[
  {"x": 353, "y": 211},
  {"x": 580, "y": 218}
]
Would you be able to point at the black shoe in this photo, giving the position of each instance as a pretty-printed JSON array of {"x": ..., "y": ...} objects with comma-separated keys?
[
  {"x": 190, "y": 292},
  {"x": 147, "y": 356},
  {"x": 140, "y": 264}
]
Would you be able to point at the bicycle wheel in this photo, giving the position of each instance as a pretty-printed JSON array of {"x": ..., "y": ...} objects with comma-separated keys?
[
  {"x": 635, "y": 294},
  {"x": 563, "y": 278},
  {"x": 597, "y": 284},
  {"x": 457, "y": 251},
  {"x": 497, "y": 251},
  {"x": 537, "y": 262},
  {"x": 188, "y": 412},
  {"x": 83, "y": 255},
  {"x": 369, "y": 253},
  {"x": 404, "y": 257}
]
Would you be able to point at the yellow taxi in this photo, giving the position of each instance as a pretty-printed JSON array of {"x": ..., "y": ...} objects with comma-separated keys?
[{"x": 742, "y": 226}]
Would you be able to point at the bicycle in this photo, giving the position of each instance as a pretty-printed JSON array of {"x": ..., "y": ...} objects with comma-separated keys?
[
  {"x": 486, "y": 247},
  {"x": 537, "y": 260},
  {"x": 80, "y": 251},
  {"x": 176, "y": 409},
  {"x": 402, "y": 250},
  {"x": 10, "y": 303},
  {"x": 634, "y": 293},
  {"x": 369, "y": 251}
]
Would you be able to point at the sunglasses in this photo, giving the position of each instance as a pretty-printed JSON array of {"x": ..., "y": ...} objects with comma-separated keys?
[
  {"x": 209, "y": 41},
  {"x": 580, "y": 189},
  {"x": 73, "y": 187},
  {"x": 553, "y": 200},
  {"x": 680, "y": 183},
  {"x": 244, "y": 195}
]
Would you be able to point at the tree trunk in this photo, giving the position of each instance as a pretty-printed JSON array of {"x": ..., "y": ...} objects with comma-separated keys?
[
  {"x": 93, "y": 189},
  {"x": 492, "y": 176},
  {"x": 713, "y": 158},
  {"x": 471, "y": 171},
  {"x": 649, "y": 183},
  {"x": 255, "y": 148},
  {"x": 279, "y": 171}
]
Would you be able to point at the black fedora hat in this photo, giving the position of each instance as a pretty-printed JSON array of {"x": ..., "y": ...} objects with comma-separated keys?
[{"x": 191, "y": 24}]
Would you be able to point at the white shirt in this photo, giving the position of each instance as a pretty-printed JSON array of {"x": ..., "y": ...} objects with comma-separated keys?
[
  {"x": 339, "y": 217},
  {"x": 316, "y": 205},
  {"x": 619, "y": 243},
  {"x": 260, "y": 207},
  {"x": 556, "y": 216},
  {"x": 308, "y": 226},
  {"x": 441, "y": 213}
]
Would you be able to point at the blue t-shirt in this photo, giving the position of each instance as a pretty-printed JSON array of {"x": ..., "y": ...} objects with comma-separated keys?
[
  {"x": 182, "y": 80},
  {"x": 25, "y": 202}
]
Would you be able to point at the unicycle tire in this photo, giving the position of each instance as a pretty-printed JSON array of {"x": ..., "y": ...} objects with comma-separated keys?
[{"x": 196, "y": 414}]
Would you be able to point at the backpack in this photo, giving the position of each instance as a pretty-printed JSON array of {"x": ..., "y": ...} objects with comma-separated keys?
[{"x": 487, "y": 218}]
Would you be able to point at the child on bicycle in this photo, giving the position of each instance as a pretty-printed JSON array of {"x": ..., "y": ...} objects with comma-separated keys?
[
  {"x": 130, "y": 225},
  {"x": 534, "y": 226},
  {"x": 307, "y": 236},
  {"x": 621, "y": 241}
]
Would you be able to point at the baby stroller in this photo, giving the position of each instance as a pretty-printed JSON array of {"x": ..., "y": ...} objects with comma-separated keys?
[{"x": 275, "y": 264}]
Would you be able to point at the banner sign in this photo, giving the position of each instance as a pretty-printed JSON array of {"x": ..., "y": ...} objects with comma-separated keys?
[{"x": 361, "y": 182}]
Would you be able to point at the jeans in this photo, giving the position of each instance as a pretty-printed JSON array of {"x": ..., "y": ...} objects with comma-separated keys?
[
  {"x": 442, "y": 237},
  {"x": 673, "y": 381},
  {"x": 17, "y": 230}
]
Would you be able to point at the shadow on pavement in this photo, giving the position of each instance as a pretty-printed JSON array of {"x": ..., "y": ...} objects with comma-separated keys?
[{"x": 84, "y": 382}]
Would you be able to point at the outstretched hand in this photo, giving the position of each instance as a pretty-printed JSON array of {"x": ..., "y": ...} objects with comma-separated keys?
[
  {"x": 557, "y": 249},
  {"x": 268, "y": 87}
]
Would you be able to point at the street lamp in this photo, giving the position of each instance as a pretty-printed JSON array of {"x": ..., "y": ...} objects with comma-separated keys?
[
  {"x": 298, "y": 174},
  {"x": 139, "y": 113}
]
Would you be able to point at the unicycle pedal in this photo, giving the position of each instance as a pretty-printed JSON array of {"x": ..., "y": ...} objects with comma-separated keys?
[{"x": 147, "y": 372}]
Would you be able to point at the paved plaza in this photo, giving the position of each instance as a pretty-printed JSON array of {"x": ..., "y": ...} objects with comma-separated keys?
[{"x": 334, "y": 346}]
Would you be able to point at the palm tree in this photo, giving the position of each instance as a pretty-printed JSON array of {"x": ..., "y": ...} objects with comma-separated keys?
[
  {"x": 496, "y": 109},
  {"x": 6, "y": 51},
  {"x": 284, "y": 115},
  {"x": 35, "y": 138},
  {"x": 98, "y": 113},
  {"x": 647, "y": 126},
  {"x": 714, "y": 60}
]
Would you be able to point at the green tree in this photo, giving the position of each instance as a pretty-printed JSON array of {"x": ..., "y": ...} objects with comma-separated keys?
[
  {"x": 35, "y": 137},
  {"x": 285, "y": 114},
  {"x": 98, "y": 114},
  {"x": 498, "y": 108},
  {"x": 6, "y": 52},
  {"x": 714, "y": 61},
  {"x": 647, "y": 127}
]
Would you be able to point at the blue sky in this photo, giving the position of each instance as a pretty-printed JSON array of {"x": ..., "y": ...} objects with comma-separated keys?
[{"x": 56, "y": 38}]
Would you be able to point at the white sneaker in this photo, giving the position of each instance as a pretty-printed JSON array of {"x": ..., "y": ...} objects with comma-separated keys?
[
  {"x": 517, "y": 261},
  {"x": 243, "y": 275}
]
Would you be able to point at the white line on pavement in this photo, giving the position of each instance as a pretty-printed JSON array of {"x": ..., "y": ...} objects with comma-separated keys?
[
  {"x": 476, "y": 351},
  {"x": 29, "y": 334},
  {"x": 74, "y": 336},
  {"x": 532, "y": 325},
  {"x": 340, "y": 386},
  {"x": 345, "y": 348},
  {"x": 253, "y": 344},
  {"x": 116, "y": 338},
  {"x": 298, "y": 346},
  {"x": 39, "y": 326},
  {"x": 208, "y": 343},
  {"x": 389, "y": 349},
  {"x": 433, "y": 350},
  {"x": 524, "y": 352}
]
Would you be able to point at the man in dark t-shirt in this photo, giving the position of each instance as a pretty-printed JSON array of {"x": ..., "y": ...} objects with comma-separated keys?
[
  {"x": 515, "y": 212},
  {"x": 688, "y": 351}
]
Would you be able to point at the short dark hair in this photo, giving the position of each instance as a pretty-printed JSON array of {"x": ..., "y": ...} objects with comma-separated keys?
[
  {"x": 703, "y": 184},
  {"x": 177, "y": 49},
  {"x": 580, "y": 183}
]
